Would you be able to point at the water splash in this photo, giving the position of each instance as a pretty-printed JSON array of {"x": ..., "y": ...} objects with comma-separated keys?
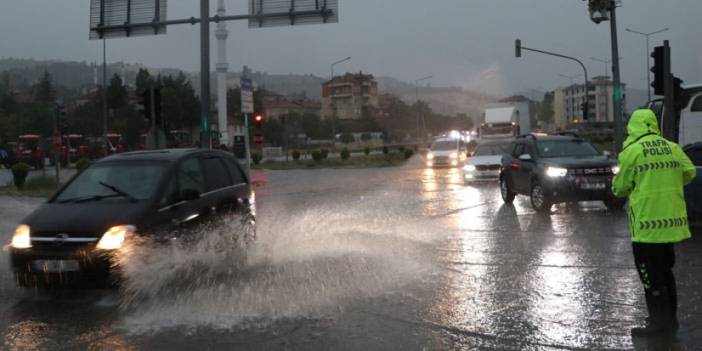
[{"x": 304, "y": 263}]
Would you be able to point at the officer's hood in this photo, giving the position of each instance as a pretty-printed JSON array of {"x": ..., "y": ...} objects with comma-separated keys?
[{"x": 642, "y": 122}]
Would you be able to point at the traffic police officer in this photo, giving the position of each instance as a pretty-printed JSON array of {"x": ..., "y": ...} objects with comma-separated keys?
[{"x": 653, "y": 172}]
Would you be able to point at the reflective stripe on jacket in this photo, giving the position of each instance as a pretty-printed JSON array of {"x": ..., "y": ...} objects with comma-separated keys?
[{"x": 653, "y": 172}]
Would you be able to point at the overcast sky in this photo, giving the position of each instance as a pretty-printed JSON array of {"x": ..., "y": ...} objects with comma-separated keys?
[{"x": 468, "y": 43}]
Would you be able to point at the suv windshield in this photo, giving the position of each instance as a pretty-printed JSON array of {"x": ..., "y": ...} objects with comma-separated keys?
[
  {"x": 132, "y": 181},
  {"x": 444, "y": 145},
  {"x": 566, "y": 148},
  {"x": 490, "y": 150}
]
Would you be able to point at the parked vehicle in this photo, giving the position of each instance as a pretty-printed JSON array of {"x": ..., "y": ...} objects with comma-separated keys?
[
  {"x": 29, "y": 150},
  {"x": 693, "y": 191},
  {"x": 557, "y": 168},
  {"x": 153, "y": 194},
  {"x": 689, "y": 126}
]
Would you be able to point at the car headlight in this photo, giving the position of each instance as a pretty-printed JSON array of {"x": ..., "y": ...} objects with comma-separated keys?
[
  {"x": 114, "y": 237},
  {"x": 615, "y": 170},
  {"x": 469, "y": 168},
  {"x": 454, "y": 155},
  {"x": 556, "y": 172},
  {"x": 430, "y": 156},
  {"x": 21, "y": 238}
]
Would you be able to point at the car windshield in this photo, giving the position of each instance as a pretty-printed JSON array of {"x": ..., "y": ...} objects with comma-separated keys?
[
  {"x": 133, "y": 181},
  {"x": 566, "y": 148},
  {"x": 490, "y": 150},
  {"x": 444, "y": 145}
]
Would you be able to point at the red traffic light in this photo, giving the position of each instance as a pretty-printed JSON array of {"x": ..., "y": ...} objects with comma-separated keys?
[{"x": 259, "y": 118}]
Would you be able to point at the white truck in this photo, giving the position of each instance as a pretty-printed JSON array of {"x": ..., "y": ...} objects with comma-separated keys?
[
  {"x": 689, "y": 128},
  {"x": 505, "y": 121}
]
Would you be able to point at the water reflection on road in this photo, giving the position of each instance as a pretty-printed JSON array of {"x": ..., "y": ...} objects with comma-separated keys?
[{"x": 406, "y": 258}]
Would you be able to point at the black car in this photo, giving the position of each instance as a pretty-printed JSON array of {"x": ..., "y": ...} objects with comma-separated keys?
[
  {"x": 148, "y": 194},
  {"x": 557, "y": 168}
]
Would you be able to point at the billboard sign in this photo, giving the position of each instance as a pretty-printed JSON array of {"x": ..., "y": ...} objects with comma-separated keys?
[
  {"x": 247, "y": 99},
  {"x": 105, "y": 14},
  {"x": 277, "y": 13}
]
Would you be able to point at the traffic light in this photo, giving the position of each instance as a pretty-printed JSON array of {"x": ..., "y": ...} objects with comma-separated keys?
[
  {"x": 677, "y": 91},
  {"x": 658, "y": 70},
  {"x": 518, "y": 48},
  {"x": 258, "y": 121},
  {"x": 64, "y": 128},
  {"x": 144, "y": 104},
  {"x": 584, "y": 109}
]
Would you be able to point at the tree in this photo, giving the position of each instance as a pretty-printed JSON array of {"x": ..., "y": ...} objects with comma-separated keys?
[
  {"x": 44, "y": 89},
  {"x": 545, "y": 109},
  {"x": 116, "y": 93},
  {"x": 143, "y": 80},
  {"x": 274, "y": 132},
  {"x": 180, "y": 108}
]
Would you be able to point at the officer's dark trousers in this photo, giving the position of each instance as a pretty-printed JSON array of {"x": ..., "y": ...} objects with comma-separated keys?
[{"x": 654, "y": 263}]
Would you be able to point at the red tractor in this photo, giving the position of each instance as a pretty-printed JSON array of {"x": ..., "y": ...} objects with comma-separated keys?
[
  {"x": 29, "y": 150},
  {"x": 73, "y": 148}
]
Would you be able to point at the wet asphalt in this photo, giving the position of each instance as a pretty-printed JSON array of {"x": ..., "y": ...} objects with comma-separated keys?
[{"x": 379, "y": 259}]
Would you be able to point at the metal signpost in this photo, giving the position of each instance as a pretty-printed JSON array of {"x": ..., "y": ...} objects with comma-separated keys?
[
  {"x": 124, "y": 18},
  {"x": 247, "y": 107}
]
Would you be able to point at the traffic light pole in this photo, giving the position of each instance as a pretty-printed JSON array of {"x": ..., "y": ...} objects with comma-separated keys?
[
  {"x": 519, "y": 48},
  {"x": 57, "y": 150},
  {"x": 248, "y": 144},
  {"x": 669, "y": 114},
  {"x": 617, "y": 98}
]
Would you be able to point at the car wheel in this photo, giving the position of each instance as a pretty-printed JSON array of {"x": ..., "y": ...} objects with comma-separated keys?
[
  {"x": 539, "y": 201},
  {"x": 506, "y": 192},
  {"x": 614, "y": 204}
]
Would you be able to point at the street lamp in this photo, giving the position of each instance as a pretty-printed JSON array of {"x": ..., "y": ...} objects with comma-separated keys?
[
  {"x": 606, "y": 62},
  {"x": 336, "y": 63},
  {"x": 416, "y": 97},
  {"x": 648, "y": 57}
]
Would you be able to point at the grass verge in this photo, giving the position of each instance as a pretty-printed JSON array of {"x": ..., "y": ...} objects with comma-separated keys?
[
  {"x": 34, "y": 187},
  {"x": 370, "y": 161}
]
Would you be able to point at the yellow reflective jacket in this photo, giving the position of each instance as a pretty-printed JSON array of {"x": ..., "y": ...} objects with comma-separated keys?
[{"x": 653, "y": 172}]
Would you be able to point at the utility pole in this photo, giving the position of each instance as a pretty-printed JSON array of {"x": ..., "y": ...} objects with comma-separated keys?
[
  {"x": 104, "y": 87},
  {"x": 648, "y": 57},
  {"x": 603, "y": 10},
  {"x": 617, "y": 99},
  {"x": 205, "y": 73}
]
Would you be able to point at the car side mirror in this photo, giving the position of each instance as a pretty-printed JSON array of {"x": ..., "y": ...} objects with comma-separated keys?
[
  {"x": 190, "y": 194},
  {"x": 607, "y": 154},
  {"x": 525, "y": 157}
]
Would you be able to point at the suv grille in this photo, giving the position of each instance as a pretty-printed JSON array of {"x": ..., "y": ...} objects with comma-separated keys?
[
  {"x": 487, "y": 167},
  {"x": 590, "y": 171}
]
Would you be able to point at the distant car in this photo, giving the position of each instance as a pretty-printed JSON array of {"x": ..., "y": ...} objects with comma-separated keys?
[
  {"x": 446, "y": 152},
  {"x": 693, "y": 191},
  {"x": 557, "y": 168},
  {"x": 71, "y": 238},
  {"x": 485, "y": 161}
]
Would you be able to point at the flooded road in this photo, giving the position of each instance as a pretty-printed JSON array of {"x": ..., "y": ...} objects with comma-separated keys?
[{"x": 391, "y": 259}]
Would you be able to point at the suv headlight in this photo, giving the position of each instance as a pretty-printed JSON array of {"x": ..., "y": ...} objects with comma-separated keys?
[
  {"x": 454, "y": 155},
  {"x": 430, "y": 156},
  {"x": 114, "y": 237},
  {"x": 556, "y": 172},
  {"x": 469, "y": 168},
  {"x": 615, "y": 169},
  {"x": 21, "y": 238}
]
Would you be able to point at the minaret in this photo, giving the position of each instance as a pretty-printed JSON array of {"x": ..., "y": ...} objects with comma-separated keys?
[{"x": 222, "y": 66}]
